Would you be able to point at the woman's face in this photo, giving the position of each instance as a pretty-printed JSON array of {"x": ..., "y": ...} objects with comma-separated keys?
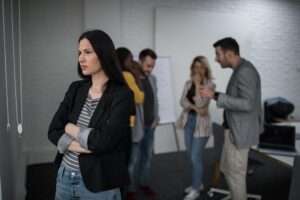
[
  {"x": 88, "y": 59},
  {"x": 199, "y": 69}
]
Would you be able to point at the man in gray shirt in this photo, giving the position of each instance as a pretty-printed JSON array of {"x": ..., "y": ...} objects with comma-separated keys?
[{"x": 242, "y": 114}]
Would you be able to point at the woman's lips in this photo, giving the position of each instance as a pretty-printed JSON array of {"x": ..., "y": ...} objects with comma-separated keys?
[{"x": 83, "y": 67}]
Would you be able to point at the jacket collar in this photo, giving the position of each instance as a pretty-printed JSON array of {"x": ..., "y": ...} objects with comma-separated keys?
[{"x": 81, "y": 96}]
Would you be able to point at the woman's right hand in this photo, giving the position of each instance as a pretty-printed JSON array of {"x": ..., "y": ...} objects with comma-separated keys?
[{"x": 75, "y": 147}]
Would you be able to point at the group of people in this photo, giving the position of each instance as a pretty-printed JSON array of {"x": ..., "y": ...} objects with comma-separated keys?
[
  {"x": 104, "y": 127},
  {"x": 242, "y": 116},
  {"x": 143, "y": 123}
]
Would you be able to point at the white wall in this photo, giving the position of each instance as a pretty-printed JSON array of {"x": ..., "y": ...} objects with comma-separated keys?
[
  {"x": 50, "y": 32},
  {"x": 105, "y": 15}
]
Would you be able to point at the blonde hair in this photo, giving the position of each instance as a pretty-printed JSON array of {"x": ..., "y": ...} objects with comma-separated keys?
[{"x": 203, "y": 60}]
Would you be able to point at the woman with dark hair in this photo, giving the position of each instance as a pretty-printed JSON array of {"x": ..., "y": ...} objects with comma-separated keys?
[
  {"x": 125, "y": 58},
  {"x": 195, "y": 121},
  {"x": 132, "y": 77},
  {"x": 91, "y": 126}
]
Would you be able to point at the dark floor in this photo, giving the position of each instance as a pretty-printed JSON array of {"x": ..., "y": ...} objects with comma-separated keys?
[{"x": 171, "y": 174}]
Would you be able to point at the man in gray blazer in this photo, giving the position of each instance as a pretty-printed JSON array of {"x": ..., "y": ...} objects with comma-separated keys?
[{"x": 242, "y": 114}]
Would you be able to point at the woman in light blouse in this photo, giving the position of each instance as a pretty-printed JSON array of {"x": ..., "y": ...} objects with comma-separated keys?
[{"x": 195, "y": 120}]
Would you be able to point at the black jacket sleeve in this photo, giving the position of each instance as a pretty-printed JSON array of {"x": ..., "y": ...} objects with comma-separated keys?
[
  {"x": 116, "y": 127},
  {"x": 60, "y": 119}
]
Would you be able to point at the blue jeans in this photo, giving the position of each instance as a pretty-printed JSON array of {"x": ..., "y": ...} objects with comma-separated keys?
[
  {"x": 195, "y": 147},
  {"x": 70, "y": 186},
  {"x": 146, "y": 152},
  {"x": 133, "y": 166}
]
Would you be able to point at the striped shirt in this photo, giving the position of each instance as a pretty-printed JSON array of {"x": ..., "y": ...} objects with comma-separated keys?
[{"x": 70, "y": 159}]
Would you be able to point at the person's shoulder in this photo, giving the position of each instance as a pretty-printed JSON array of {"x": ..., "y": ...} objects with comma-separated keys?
[
  {"x": 122, "y": 90},
  {"x": 248, "y": 72},
  {"x": 80, "y": 82},
  {"x": 247, "y": 67},
  {"x": 77, "y": 83},
  {"x": 128, "y": 75},
  {"x": 152, "y": 77}
]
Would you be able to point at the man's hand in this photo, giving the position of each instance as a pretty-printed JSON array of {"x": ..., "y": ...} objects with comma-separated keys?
[{"x": 72, "y": 130}]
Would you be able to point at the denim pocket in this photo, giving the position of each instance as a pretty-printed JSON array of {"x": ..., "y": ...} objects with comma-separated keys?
[{"x": 60, "y": 173}]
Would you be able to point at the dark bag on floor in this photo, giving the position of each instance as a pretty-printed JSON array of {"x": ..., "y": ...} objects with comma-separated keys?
[{"x": 277, "y": 107}]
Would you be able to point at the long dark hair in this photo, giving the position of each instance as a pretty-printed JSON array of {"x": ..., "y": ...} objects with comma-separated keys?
[
  {"x": 133, "y": 67},
  {"x": 123, "y": 55},
  {"x": 106, "y": 53}
]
